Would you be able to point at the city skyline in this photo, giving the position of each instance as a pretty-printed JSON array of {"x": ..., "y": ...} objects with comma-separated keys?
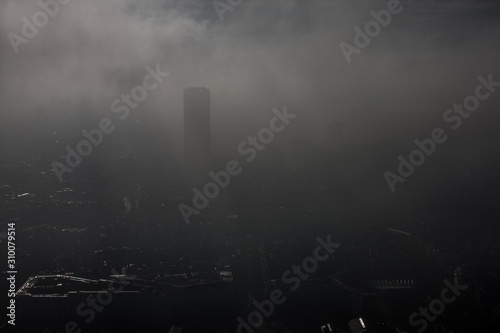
[{"x": 249, "y": 166}]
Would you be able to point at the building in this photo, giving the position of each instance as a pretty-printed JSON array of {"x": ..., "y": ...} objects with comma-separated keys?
[
  {"x": 358, "y": 326},
  {"x": 395, "y": 292}
]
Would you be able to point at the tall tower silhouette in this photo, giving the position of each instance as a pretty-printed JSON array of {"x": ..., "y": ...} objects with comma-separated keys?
[{"x": 197, "y": 130}]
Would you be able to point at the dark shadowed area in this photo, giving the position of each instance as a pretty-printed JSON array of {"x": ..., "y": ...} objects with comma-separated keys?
[{"x": 250, "y": 166}]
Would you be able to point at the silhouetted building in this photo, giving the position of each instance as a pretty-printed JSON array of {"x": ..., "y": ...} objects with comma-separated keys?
[
  {"x": 249, "y": 269},
  {"x": 358, "y": 325},
  {"x": 395, "y": 292},
  {"x": 197, "y": 130}
]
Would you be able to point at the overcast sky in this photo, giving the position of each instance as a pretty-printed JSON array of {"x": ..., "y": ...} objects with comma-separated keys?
[{"x": 264, "y": 54}]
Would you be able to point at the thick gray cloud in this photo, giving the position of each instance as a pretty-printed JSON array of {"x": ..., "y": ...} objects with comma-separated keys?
[{"x": 264, "y": 54}]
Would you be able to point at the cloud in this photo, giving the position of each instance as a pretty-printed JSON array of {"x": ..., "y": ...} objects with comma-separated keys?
[{"x": 264, "y": 55}]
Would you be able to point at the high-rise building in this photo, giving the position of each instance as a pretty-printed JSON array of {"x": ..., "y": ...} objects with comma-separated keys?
[{"x": 197, "y": 129}]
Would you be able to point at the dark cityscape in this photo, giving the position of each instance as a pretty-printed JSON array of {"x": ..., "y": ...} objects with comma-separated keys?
[{"x": 247, "y": 166}]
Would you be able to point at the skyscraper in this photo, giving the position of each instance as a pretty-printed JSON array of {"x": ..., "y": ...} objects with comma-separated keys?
[{"x": 197, "y": 130}]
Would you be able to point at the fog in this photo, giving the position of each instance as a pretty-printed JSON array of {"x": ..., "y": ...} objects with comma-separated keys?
[
  {"x": 327, "y": 144},
  {"x": 262, "y": 55}
]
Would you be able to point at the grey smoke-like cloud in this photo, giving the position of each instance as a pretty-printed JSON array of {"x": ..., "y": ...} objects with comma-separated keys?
[{"x": 264, "y": 55}]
